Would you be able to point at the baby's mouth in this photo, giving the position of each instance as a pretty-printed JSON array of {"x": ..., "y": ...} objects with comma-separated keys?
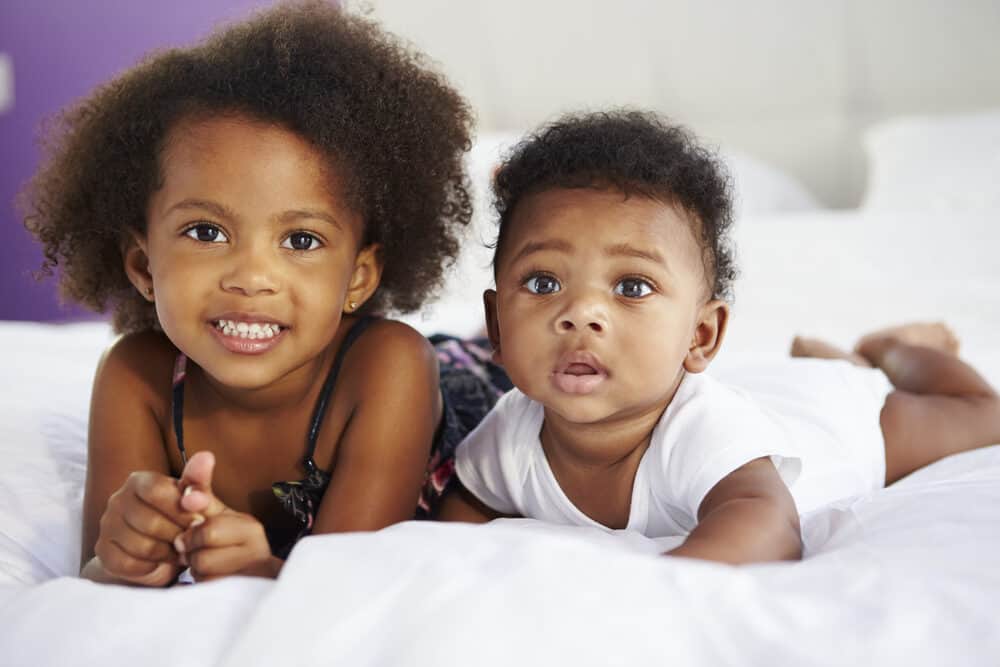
[
  {"x": 251, "y": 330},
  {"x": 579, "y": 372}
]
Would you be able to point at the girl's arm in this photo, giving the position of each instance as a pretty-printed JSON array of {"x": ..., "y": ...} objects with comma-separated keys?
[
  {"x": 749, "y": 516},
  {"x": 131, "y": 511},
  {"x": 381, "y": 459}
]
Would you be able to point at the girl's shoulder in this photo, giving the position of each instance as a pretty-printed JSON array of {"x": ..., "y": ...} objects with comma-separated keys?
[
  {"x": 388, "y": 342},
  {"x": 390, "y": 353},
  {"x": 141, "y": 363}
]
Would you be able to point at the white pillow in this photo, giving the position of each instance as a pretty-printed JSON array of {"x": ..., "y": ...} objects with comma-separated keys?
[
  {"x": 938, "y": 163},
  {"x": 761, "y": 188}
]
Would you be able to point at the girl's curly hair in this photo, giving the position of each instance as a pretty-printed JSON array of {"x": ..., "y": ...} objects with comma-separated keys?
[
  {"x": 637, "y": 153},
  {"x": 390, "y": 125}
]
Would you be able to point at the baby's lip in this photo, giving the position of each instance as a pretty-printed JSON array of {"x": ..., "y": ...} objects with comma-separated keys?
[{"x": 580, "y": 362}]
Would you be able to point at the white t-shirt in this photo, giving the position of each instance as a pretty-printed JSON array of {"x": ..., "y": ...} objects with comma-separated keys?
[{"x": 817, "y": 420}]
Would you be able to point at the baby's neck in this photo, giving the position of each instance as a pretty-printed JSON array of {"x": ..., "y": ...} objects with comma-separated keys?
[
  {"x": 596, "y": 465},
  {"x": 597, "y": 446}
]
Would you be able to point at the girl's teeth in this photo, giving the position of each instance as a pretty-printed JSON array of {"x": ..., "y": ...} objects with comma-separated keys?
[{"x": 251, "y": 330}]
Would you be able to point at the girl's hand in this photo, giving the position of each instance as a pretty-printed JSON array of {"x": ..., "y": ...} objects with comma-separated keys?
[
  {"x": 138, "y": 528},
  {"x": 220, "y": 541}
]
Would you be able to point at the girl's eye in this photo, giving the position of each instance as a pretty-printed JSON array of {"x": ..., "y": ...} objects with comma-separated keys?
[
  {"x": 633, "y": 288},
  {"x": 206, "y": 233},
  {"x": 542, "y": 285},
  {"x": 301, "y": 241}
]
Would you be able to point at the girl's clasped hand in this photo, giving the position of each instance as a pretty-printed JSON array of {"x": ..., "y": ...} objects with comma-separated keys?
[{"x": 156, "y": 525}]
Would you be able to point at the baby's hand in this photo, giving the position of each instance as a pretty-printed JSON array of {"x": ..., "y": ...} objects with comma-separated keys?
[
  {"x": 138, "y": 529},
  {"x": 220, "y": 541}
]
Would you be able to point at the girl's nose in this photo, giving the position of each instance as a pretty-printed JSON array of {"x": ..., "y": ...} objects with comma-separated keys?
[{"x": 252, "y": 271}]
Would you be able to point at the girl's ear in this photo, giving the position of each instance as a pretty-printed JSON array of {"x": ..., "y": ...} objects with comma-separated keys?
[
  {"x": 365, "y": 277},
  {"x": 136, "y": 260},
  {"x": 492, "y": 323},
  {"x": 708, "y": 334}
]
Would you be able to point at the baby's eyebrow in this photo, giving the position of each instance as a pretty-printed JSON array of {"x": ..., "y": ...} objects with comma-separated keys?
[
  {"x": 631, "y": 251},
  {"x": 531, "y": 247}
]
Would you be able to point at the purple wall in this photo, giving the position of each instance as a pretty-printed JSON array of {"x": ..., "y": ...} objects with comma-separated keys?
[{"x": 60, "y": 49}]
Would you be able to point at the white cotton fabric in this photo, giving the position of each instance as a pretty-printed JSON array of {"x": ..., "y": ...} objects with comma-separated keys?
[{"x": 816, "y": 419}]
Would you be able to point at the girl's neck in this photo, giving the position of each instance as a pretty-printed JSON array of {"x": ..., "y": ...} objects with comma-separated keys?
[{"x": 300, "y": 387}]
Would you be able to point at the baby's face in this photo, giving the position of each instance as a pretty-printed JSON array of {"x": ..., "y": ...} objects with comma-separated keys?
[
  {"x": 250, "y": 249},
  {"x": 598, "y": 302}
]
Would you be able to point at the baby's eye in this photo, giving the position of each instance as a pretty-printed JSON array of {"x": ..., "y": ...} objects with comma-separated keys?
[
  {"x": 206, "y": 233},
  {"x": 542, "y": 284},
  {"x": 301, "y": 241},
  {"x": 633, "y": 288}
]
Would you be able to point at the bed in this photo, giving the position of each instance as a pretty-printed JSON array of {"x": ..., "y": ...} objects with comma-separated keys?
[{"x": 904, "y": 576}]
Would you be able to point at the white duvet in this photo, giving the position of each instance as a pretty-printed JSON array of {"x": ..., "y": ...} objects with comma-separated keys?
[{"x": 907, "y": 576}]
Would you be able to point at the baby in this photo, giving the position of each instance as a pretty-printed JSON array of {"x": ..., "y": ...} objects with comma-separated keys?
[{"x": 612, "y": 270}]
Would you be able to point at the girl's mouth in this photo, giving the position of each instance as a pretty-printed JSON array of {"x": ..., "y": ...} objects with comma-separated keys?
[{"x": 250, "y": 330}]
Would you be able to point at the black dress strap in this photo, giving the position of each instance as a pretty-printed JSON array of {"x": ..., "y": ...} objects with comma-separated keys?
[
  {"x": 177, "y": 395},
  {"x": 324, "y": 395}
]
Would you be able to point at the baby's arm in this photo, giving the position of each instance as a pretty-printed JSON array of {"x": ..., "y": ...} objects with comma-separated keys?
[
  {"x": 749, "y": 516},
  {"x": 460, "y": 505},
  {"x": 131, "y": 511}
]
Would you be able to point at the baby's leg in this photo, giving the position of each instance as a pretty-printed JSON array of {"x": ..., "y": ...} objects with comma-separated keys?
[
  {"x": 814, "y": 348},
  {"x": 940, "y": 405}
]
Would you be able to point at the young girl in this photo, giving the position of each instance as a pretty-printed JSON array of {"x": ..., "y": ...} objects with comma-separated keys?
[
  {"x": 612, "y": 269},
  {"x": 245, "y": 208}
]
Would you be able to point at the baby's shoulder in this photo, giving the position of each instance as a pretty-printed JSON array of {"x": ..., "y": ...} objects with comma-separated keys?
[{"x": 706, "y": 408}]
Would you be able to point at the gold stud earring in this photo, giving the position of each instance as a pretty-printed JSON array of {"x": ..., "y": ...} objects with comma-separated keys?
[
  {"x": 353, "y": 305},
  {"x": 149, "y": 291}
]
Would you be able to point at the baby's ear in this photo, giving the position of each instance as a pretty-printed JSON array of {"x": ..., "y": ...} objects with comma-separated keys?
[
  {"x": 136, "y": 260},
  {"x": 492, "y": 323},
  {"x": 708, "y": 334}
]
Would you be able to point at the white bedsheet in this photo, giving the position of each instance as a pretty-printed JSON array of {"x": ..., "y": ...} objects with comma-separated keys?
[{"x": 907, "y": 576}]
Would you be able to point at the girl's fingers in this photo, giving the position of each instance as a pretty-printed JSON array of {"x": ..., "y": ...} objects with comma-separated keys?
[
  {"x": 119, "y": 563},
  {"x": 222, "y": 561},
  {"x": 196, "y": 486},
  {"x": 141, "y": 546},
  {"x": 149, "y": 521},
  {"x": 162, "y": 494},
  {"x": 224, "y": 530}
]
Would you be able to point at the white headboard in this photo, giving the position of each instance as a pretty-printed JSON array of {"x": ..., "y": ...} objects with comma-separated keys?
[{"x": 794, "y": 82}]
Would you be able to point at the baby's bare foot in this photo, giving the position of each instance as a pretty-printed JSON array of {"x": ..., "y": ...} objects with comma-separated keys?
[
  {"x": 935, "y": 335},
  {"x": 820, "y": 349}
]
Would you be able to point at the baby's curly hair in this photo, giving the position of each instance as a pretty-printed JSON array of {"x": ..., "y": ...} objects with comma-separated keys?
[
  {"x": 393, "y": 128},
  {"x": 637, "y": 153}
]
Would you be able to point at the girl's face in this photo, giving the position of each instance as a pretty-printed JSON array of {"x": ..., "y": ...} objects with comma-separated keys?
[
  {"x": 250, "y": 249},
  {"x": 601, "y": 301}
]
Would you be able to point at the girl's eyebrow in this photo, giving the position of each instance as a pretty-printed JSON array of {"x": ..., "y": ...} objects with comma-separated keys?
[
  {"x": 308, "y": 214},
  {"x": 205, "y": 205},
  {"x": 287, "y": 217}
]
